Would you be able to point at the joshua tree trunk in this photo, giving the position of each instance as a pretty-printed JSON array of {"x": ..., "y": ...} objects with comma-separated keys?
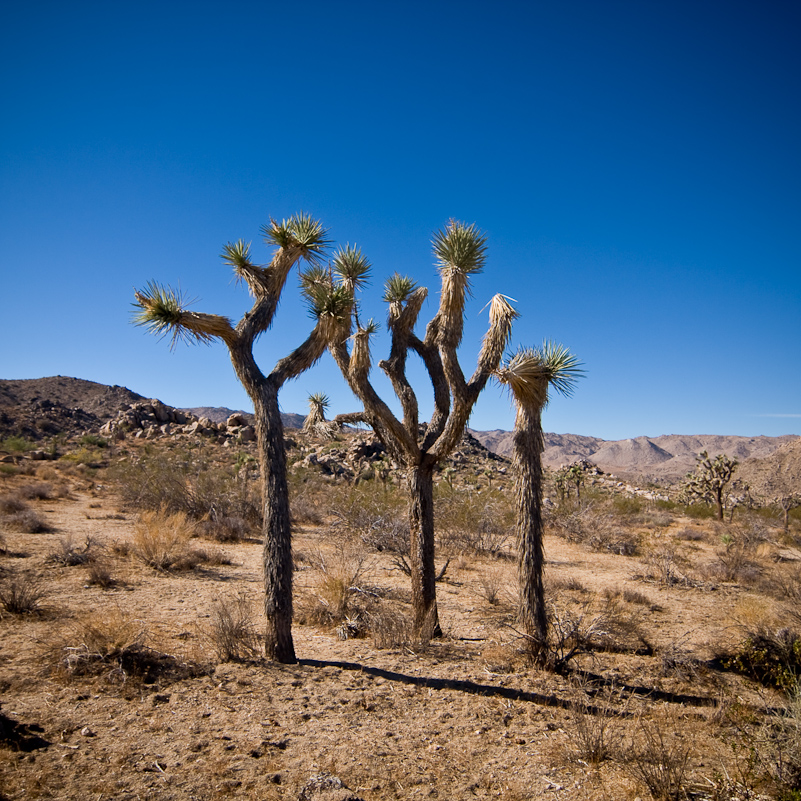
[
  {"x": 421, "y": 524},
  {"x": 277, "y": 547},
  {"x": 528, "y": 447}
]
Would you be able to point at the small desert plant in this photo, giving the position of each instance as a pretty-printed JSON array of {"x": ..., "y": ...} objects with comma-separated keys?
[
  {"x": 389, "y": 627},
  {"x": 68, "y": 554},
  {"x": 111, "y": 644},
  {"x": 26, "y": 522},
  {"x": 778, "y": 747},
  {"x": 491, "y": 586},
  {"x": 16, "y": 445},
  {"x": 769, "y": 656},
  {"x": 233, "y": 633},
  {"x": 593, "y": 733},
  {"x": 39, "y": 491},
  {"x": 659, "y": 762},
  {"x": 21, "y": 594},
  {"x": 339, "y": 594},
  {"x": 161, "y": 539},
  {"x": 100, "y": 574},
  {"x": 12, "y": 504}
]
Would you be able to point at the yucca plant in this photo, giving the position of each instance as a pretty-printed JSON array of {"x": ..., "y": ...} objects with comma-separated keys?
[
  {"x": 529, "y": 374},
  {"x": 460, "y": 253},
  {"x": 164, "y": 311}
]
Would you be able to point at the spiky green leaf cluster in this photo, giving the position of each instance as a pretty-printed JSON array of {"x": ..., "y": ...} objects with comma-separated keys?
[
  {"x": 334, "y": 302},
  {"x": 161, "y": 309},
  {"x": 351, "y": 267},
  {"x": 398, "y": 288},
  {"x": 237, "y": 255},
  {"x": 461, "y": 248},
  {"x": 314, "y": 278},
  {"x": 530, "y": 372},
  {"x": 301, "y": 230},
  {"x": 319, "y": 400}
]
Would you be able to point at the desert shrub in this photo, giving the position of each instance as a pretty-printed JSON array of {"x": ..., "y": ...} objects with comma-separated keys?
[
  {"x": 626, "y": 505},
  {"x": 734, "y": 563},
  {"x": 161, "y": 540},
  {"x": 93, "y": 440},
  {"x": 480, "y": 523},
  {"x": 68, "y": 554},
  {"x": 39, "y": 491},
  {"x": 699, "y": 511},
  {"x": 777, "y": 746},
  {"x": 189, "y": 484},
  {"x": 660, "y": 762},
  {"x": 491, "y": 585},
  {"x": 771, "y": 657},
  {"x": 12, "y": 503},
  {"x": 110, "y": 644},
  {"x": 21, "y": 593},
  {"x": 26, "y": 521},
  {"x": 100, "y": 574},
  {"x": 16, "y": 445},
  {"x": 87, "y": 456},
  {"x": 665, "y": 566},
  {"x": 594, "y": 733},
  {"x": 557, "y": 584},
  {"x": 232, "y": 632},
  {"x": 9, "y": 469},
  {"x": 690, "y": 535},
  {"x": 340, "y": 594}
]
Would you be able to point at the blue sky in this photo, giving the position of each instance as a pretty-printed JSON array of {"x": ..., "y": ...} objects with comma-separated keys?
[{"x": 635, "y": 165}]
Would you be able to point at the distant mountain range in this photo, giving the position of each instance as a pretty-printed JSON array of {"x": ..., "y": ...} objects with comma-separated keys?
[
  {"x": 38, "y": 408},
  {"x": 668, "y": 457}
]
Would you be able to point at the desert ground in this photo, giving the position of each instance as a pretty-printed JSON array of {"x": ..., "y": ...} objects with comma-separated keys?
[{"x": 130, "y": 664}]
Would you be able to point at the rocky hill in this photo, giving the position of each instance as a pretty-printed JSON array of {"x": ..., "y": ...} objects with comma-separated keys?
[
  {"x": 44, "y": 407},
  {"x": 777, "y": 474}
]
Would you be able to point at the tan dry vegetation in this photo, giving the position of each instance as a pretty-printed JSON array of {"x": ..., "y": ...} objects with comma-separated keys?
[{"x": 116, "y": 689}]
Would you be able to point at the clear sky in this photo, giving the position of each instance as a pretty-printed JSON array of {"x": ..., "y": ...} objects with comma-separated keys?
[{"x": 635, "y": 165}]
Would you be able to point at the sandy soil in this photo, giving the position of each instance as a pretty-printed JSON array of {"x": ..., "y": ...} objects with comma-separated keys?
[{"x": 465, "y": 717}]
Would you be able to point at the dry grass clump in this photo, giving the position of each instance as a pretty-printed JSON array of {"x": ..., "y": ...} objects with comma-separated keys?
[
  {"x": 341, "y": 583},
  {"x": 68, "y": 554},
  {"x": 232, "y": 632},
  {"x": 595, "y": 733},
  {"x": 21, "y": 593},
  {"x": 112, "y": 645},
  {"x": 17, "y": 515},
  {"x": 161, "y": 541},
  {"x": 660, "y": 762}
]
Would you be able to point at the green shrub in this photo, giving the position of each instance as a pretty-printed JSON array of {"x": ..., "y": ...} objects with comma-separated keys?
[
  {"x": 699, "y": 512},
  {"x": 16, "y": 445},
  {"x": 227, "y": 503},
  {"x": 772, "y": 658},
  {"x": 625, "y": 505}
]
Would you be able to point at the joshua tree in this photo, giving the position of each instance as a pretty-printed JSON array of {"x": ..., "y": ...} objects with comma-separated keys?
[
  {"x": 315, "y": 419},
  {"x": 529, "y": 374},
  {"x": 163, "y": 311},
  {"x": 460, "y": 251},
  {"x": 708, "y": 482}
]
